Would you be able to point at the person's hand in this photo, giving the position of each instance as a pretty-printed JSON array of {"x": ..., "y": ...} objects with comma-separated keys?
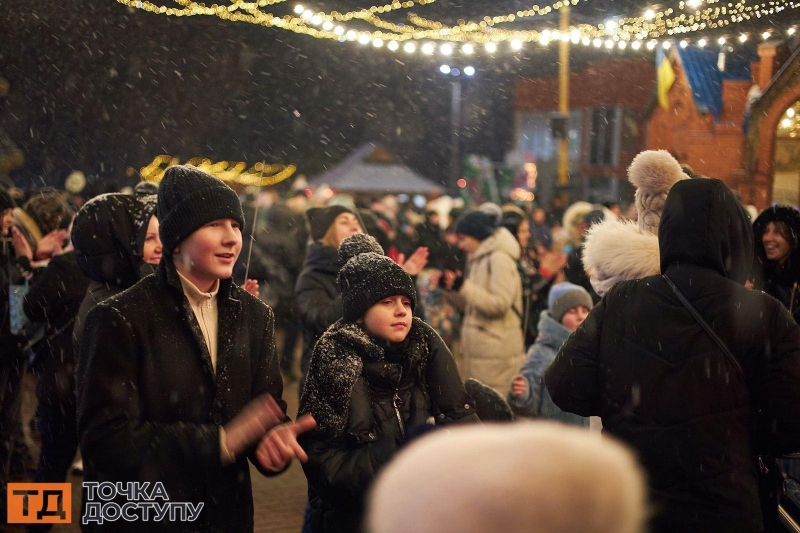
[
  {"x": 748, "y": 284},
  {"x": 415, "y": 262},
  {"x": 252, "y": 423},
  {"x": 450, "y": 278},
  {"x": 436, "y": 278},
  {"x": 519, "y": 385},
  {"x": 553, "y": 262},
  {"x": 251, "y": 286},
  {"x": 50, "y": 244},
  {"x": 20, "y": 244},
  {"x": 278, "y": 447}
]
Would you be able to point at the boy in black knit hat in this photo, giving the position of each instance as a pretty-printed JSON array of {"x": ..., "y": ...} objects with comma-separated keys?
[
  {"x": 376, "y": 377},
  {"x": 178, "y": 380}
]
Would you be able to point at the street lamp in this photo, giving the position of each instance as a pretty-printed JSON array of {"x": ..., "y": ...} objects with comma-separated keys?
[{"x": 455, "y": 117}]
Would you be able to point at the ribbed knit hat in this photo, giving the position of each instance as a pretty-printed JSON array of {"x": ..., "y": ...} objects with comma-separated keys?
[
  {"x": 368, "y": 276},
  {"x": 653, "y": 173},
  {"x": 321, "y": 218},
  {"x": 477, "y": 224},
  {"x": 188, "y": 198},
  {"x": 564, "y": 296}
]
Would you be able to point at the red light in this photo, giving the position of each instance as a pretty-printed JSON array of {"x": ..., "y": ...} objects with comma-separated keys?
[{"x": 461, "y": 183}]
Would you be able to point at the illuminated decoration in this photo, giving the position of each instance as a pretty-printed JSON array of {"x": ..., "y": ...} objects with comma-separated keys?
[
  {"x": 666, "y": 23},
  {"x": 789, "y": 126},
  {"x": 259, "y": 175}
]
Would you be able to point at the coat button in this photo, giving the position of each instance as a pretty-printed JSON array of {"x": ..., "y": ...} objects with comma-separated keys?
[
  {"x": 466, "y": 406},
  {"x": 217, "y": 418}
]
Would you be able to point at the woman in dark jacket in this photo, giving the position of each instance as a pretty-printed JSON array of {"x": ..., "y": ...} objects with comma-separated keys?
[
  {"x": 54, "y": 299},
  {"x": 317, "y": 298},
  {"x": 661, "y": 384},
  {"x": 777, "y": 256},
  {"x": 109, "y": 236},
  {"x": 369, "y": 388}
]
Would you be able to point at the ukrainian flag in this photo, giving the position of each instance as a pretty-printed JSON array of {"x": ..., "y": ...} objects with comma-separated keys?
[{"x": 665, "y": 76}]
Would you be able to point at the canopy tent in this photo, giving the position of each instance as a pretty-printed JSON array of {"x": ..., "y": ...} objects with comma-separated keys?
[{"x": 372, "y": 169}]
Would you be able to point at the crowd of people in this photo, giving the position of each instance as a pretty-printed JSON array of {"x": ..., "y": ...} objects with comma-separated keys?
[{"x": 149, "y": 316}]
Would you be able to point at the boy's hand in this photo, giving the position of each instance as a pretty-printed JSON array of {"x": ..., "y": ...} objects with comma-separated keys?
[
  {"x": 257, "y": 417},
  {"x": 279, "y": 446},
  {"x": 519, "y": 385}
]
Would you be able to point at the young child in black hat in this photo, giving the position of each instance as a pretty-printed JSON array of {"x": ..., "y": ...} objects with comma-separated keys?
[
  {"x": 376, "y": 376},
  {"x": 179, "y": 380}
]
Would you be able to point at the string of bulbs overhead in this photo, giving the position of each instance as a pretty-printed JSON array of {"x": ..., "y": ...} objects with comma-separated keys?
[{"x": 652, "y": 29}]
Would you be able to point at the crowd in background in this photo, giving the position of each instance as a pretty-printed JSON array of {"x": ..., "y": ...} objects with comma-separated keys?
[{"x": 503, "y": 286}]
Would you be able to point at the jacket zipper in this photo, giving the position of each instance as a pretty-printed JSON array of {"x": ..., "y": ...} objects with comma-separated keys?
[{"x": 397, "y": 402}]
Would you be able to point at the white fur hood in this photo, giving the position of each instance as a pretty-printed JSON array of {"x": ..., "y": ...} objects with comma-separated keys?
[{"x": 615, "y": 251}]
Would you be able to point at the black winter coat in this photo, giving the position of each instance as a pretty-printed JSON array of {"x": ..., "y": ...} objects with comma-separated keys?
[
  {"x": 11, "y": 273},
  {"x": 150, "y": 405},
  {"x": 55, "y": 298},
  {"x": 366, "y": 397},
  {"x": 661, "y": 384},
  {"x": 318, "y": 300}
]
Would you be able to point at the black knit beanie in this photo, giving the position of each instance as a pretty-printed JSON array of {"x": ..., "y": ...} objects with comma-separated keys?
[
  {"x": 321, "y": 218},
  {"x": 188, "y": 198},
  {"x": 368, "y": 276},
  {"x": 6, "y": 201},
  {"x": 477, "y": 224}
]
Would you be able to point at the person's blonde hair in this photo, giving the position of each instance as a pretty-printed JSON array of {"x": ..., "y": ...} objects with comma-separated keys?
[
  {"x": 329, "y": 239},
  {"x": 524, "y": 477}
]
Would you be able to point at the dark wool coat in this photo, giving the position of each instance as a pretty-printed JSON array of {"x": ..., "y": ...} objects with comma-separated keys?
[
  {"x": 11, "y": 273},
  {"x": 55, "y": 298},
  {"x": 318, "y": 300},
  {"x": 150, "y": 405},
  {"x": 366, "y": 397},
  {"x": 780, "y": 281},
  {"x": 661, "y": 384}
]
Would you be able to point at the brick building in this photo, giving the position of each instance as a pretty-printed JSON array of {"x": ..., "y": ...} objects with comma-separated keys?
[
  {"x": 733, "y": 116},
  {"x": 609, "y": 104}
]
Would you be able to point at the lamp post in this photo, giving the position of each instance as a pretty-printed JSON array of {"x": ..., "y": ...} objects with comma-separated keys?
[{"x": 455, "y": 118}]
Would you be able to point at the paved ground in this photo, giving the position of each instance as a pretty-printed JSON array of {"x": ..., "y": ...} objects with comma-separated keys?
[{"x": 279, "y": 501}]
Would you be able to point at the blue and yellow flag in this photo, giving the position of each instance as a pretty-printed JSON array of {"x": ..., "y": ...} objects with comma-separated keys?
[{"x": 665, "y": 76}]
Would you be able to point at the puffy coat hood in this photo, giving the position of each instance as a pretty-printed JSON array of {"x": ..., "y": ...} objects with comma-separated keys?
[
  {"x": 704, "y": 224},
  {"x": 501, "y": 241},
  {"x": 108, "y": 235},
  {"x": 551, "y": 332}
]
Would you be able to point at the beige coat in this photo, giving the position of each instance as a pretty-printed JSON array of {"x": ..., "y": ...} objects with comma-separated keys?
[{"x": 491, "y": 332}]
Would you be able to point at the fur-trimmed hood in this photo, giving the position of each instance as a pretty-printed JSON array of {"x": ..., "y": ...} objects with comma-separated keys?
[
  {"x": 615, "y": 251},
  {"x": 337, "y": 362}
]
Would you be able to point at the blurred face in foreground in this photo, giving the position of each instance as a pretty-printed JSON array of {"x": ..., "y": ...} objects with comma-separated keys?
[
  {"x": 6, "y": 221},
  {"x": 467, "y": 244}
]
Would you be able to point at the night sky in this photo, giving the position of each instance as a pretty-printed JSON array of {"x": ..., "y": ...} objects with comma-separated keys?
[{"x": 99, "y": 87}]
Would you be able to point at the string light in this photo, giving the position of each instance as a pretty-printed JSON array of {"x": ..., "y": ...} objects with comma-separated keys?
[
  {"x": 653, "y": 24},
  {"x": 743, "y": 38},
  {"x": 260, "y": 175}
]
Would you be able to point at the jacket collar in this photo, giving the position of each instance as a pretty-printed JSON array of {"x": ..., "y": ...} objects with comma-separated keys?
[
  {"x": 551, "y": 332},
  {"x": 229, "y": 317}
]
